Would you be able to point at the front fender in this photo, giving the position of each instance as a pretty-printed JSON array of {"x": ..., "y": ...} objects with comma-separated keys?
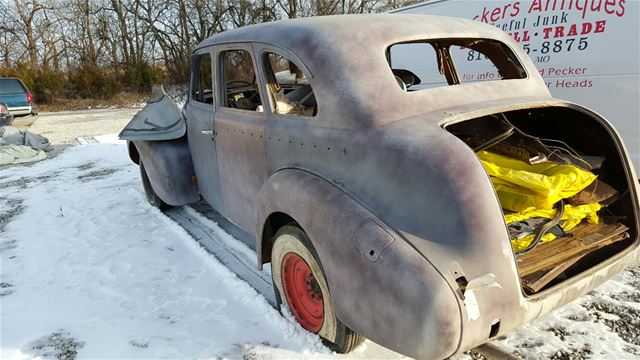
[
  {"x": 170, "y": 170},
  {"x": 380, "y": 286}
]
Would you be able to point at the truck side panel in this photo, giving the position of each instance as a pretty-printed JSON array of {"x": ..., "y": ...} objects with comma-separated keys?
[{"x": 587, "y": 55}]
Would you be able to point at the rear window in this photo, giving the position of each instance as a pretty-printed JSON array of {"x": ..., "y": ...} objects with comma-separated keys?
[
  {"x": 11, "y": 86},
  {"x": 427, "y": 64}
]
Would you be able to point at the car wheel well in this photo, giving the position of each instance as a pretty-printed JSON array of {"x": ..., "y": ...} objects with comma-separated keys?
[
  {"x": 271, "y": 226},
  {"x": 133, "y": 153}
]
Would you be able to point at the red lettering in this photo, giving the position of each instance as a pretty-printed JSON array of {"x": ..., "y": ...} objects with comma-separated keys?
[
  {"x": 573, "y": 30},
  {"x": 584, "y": 8},
  {"x": 547, "y": 31},
  {"x": 485, "y": 13},
  {"x": 504, "y": 11},
  {"x": 525, "y": 36},
  {"x": 600, "y": 26},
  {"x": 535, "y": 6},
  {"x": 607, "y": 9},
  {"x": 559, "y": 32},
  {"x": 586, "y": 28},
  {"x": 516, "y": 9},
  {"x": 620, "y": 13},
  {"x": 495, "y": 12}
]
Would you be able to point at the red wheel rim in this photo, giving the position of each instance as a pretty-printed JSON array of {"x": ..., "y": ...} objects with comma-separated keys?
[{"x": 302, "y": 292}]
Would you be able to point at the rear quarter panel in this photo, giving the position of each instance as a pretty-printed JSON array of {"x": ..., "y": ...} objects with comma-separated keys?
[{"x": 396, "y": 298}]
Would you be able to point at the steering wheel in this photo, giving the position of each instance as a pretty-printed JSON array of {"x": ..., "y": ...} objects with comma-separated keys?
[{"x": 240, "y": 82}]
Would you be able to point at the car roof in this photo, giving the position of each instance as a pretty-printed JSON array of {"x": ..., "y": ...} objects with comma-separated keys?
[
  {"x": 350, "y": 30},
  {"x": 349, "y": 72}
]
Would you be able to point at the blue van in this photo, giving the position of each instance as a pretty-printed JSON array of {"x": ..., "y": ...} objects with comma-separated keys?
[{"x": 16, "y": 96}]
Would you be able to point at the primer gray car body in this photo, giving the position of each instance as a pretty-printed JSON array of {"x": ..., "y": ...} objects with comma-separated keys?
[{"x": 398, "y": 209}]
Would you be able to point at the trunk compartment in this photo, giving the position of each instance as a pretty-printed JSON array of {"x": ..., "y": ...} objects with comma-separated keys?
[{"x": 578, "y": 222}]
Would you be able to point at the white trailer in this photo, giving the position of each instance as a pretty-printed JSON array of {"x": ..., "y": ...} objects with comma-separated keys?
[{"x": 586, "y": 50}]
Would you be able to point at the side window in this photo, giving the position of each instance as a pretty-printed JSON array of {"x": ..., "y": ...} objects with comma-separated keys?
[
  {"x": 202, "y": 83},
  {"x": 289, "y": 88},
  {"x": 239, "y": 81},
  {"x": 480, "y": 62},
  {"x": 424, "y": 65},
  {"x": 415, "y": 66}
]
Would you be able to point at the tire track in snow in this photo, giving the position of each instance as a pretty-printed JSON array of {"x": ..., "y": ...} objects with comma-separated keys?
[{"x": 225, "y": 248}]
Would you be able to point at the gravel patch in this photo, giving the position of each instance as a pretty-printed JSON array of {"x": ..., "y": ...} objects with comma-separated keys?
[
  {"x": 6, "y": 289},
  {"x": 97, "y": 174},
  {"x": 23, "y": 182},
  {"x": 474, "y": 355},
  {"x": 13, "y": 208},
  {"x": 624, "y": 321},
  {"x": 85, "y": 167},
  {"x": 59, "y": 345},
  {"x": 66, "y": 127},
  {"x": 627, "y": 296},
  {"x": 573, "y": 354},
  {"x": 559, "y": 332},
  {"x": 139, "y": 344}
]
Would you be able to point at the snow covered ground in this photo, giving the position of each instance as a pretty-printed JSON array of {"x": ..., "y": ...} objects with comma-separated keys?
[{"x": 89, "y": 269}]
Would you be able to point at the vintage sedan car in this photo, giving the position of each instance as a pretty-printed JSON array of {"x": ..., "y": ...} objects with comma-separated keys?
[{"x": 357, "y": 178}]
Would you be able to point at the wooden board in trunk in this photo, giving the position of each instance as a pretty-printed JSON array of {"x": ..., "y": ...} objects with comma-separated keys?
[{"x": 585, "y": 239}]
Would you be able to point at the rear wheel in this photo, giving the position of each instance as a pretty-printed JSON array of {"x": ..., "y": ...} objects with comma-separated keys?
[
  {"x": 152, "y": 197},
  {"x": 300, "y": 283}
]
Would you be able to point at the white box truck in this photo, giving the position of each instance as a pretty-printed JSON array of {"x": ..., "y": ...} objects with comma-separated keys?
[{"x": 587, "y": 51}]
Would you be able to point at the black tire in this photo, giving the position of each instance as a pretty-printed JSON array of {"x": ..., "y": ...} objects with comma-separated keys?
[
  {"x": 291, "y": 239},
  {"x": 152, "y": 197}
]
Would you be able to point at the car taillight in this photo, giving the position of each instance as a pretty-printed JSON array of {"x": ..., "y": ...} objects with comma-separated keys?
[{"x": 28, "y": 97}]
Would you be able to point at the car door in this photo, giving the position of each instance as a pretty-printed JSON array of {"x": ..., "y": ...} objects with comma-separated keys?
[
  {"x": 199, "y": 112},
  {"x": 239, "y": 124}
]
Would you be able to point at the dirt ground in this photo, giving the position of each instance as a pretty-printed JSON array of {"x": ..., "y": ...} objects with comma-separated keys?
[{"x": 67, "y": 126}]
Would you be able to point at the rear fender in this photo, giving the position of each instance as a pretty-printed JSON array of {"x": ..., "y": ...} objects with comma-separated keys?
[
  {"x": 380, "y": 286},
  {"x": 169, "y": 167}
]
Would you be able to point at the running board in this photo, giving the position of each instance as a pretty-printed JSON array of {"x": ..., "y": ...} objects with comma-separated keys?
[{"x": 207, "y": 231}]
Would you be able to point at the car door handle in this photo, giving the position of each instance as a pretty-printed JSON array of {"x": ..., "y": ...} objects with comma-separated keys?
[{"x": 207, "y": 132}]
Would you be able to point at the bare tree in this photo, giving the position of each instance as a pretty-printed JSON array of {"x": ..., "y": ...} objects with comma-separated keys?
[{"x": 124, "y": 34}]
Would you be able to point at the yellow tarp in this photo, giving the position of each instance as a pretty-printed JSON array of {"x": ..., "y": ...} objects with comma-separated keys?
[
  {"x": 523, "y": 187},
  {"x": 571, "y": 217}
]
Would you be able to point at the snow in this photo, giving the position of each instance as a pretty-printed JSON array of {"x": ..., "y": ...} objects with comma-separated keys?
[
  {"x": 89, "y": 269},
  {"x": 89, "y": 256},
  {"x": 109, "y": 139}
]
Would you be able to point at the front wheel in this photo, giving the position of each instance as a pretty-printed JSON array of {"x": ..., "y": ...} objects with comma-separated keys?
[
  {"x": 152, "y": 197},
  {"x": 299, "y": 281}
]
